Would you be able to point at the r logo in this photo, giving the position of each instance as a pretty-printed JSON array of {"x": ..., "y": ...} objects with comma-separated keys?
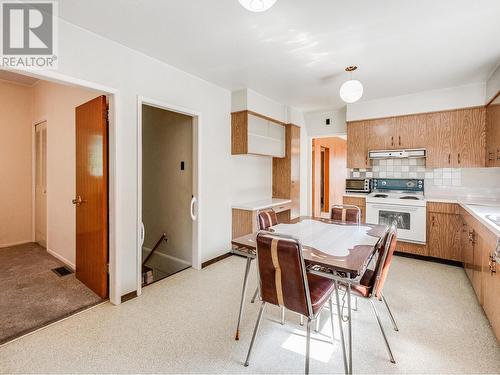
[{"x": 27, "y": 28}]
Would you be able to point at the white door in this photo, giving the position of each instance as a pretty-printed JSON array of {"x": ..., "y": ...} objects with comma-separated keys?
[{"x": 41, "y": 184}]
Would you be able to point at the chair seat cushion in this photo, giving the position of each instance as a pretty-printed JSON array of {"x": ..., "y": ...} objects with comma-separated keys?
[
  {"x": 365, "y": 285},
  {"x": 320, "y": 290}
]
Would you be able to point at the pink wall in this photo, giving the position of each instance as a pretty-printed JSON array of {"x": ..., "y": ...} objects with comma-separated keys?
[
  {"x": 15, "y": 163},
  {"x": 56, "y": 104}
]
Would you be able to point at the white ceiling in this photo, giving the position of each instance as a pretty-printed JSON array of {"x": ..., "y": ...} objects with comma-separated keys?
[{"x": 296, "y": 52}]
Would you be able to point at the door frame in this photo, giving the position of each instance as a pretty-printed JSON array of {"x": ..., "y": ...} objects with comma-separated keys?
[
  {"x": 197, "y": 120},
  {"x": 33, "y": 182},
  {"x": 114, "y": 97}
]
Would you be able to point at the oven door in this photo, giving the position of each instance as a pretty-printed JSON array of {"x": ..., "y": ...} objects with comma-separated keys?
[{"x": 411, "y": 220}]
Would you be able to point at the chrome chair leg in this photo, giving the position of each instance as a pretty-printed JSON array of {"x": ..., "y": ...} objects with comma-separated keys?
[
  {"x": 316, "y": 329},
  {"x": 390, "y": 314},
  {"x": 282, "y": 315},
  {"x": 243, "y": 295},
  {"x": 257, "y": 325},
  {"x": 391, "y": 357},
  {"x": 308, "y": 345},
  {"x": 255, "y": 295},
  {"x": 330, "y": 303},
  {"x": 339, "y": 314}
]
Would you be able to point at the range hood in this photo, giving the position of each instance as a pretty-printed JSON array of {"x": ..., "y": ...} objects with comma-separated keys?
[{"x": 397, "y": 154}]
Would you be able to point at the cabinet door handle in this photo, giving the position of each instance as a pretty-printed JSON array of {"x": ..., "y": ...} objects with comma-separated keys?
[
  {"x": 492, "y": 264},
  {"x": 399, "y": 140},
  {"x": 459, "y": 158},
  {"x": 449, "y": 158},
  {"x": 491, "y": 156},
  {"x": 433, "y": 220},
  {"x": 498, "y": 153},
  {"x": 392, "y": 140}
]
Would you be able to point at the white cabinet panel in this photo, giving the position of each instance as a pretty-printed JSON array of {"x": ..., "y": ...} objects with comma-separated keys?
[{"x": 265, "y": 137}]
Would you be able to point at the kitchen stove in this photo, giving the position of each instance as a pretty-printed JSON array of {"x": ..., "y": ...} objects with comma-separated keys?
[{"x": 402, "y": 200}]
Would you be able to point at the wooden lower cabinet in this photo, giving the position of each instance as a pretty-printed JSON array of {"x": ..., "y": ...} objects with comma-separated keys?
[
  {"x": 357, "y": 201},
  {"x": 444, "y": 231},
  {"x": 443, "y": 236},
  {"x": 484, "y": 276}
]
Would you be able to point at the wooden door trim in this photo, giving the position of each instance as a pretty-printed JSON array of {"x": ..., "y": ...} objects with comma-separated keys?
[
  {"x": 197, "y": 160},
  {"x": 33, "y": 175}
]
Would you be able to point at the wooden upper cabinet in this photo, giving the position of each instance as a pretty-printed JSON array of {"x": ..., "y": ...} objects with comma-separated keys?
[
  {"x": 286, "y": 171},
  {"x": 469, "y": 138},
  {"x": 357, "y": 152},
  {"x": 381, "y": 134},
  {"x": 411, "y": 132},
  {"x": 252, "y": 133},
  {"x": 439, "y": 144},
  {"x": 493, "y": 133}
]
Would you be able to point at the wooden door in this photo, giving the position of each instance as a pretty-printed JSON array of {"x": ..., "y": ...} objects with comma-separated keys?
[
  {"x": 411, "y": 131},
  {"x": 444, "y": 233},
  {"x": 41, "y": 184},
  {"x": 295, "y": 170},
  {"x": 92, "y": 195},
  {"x": 357, "y": 152},
  {"x": 381, "y": 134},
  {"x": 469, "y": 138},
  {"x": 439, "y": 144}
]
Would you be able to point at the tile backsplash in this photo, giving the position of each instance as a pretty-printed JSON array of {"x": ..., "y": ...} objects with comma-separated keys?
[{"x": 410, "y": 168}]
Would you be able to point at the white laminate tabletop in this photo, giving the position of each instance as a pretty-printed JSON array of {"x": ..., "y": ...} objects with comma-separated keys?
[
  {"x": 261, "y": 205},
  {"x": 331, "y": 239}
]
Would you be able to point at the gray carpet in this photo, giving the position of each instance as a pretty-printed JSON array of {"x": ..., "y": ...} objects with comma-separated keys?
[
  {"x": 185, "y": 324},
  {"x": 32, "y": 295}
]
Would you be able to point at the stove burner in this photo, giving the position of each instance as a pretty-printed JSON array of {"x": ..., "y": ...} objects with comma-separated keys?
[
  {"x": 380, "y": 196},
  {"x": 409, "y": 197}
]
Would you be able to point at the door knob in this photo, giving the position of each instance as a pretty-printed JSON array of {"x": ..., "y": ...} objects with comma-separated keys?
[{"x": 78, "y": 200}]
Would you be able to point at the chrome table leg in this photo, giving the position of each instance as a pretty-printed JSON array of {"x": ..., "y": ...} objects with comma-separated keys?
[
  {"x": 349, "y": 323},
  {"x": 390, "y": 314},
  {"x": 330, "y": 303},
  {"x": 257, "y": 325},
  {"x": 243, "y": 295},
  {"x": 302, "y": 320},
  {"x": 391, "y": 357},
  {"x": 318, "y": 318},
  {"x": 255, "y": 295},
  {"x": 339, "y": 314},
  {"x": 308, "y": 345},
  {"x": 282, "y": 315}
]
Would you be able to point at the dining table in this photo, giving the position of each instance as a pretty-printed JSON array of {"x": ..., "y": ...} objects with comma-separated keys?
[{"x": 336, "y": 250}]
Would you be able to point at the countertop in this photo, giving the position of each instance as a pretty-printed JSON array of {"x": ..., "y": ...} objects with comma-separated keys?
[{"x": 262, "y": 204}]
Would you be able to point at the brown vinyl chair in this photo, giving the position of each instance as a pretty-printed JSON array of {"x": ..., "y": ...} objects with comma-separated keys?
[
  {"x": 266, "y": 219},
  {"x": 283, "y": 281},
  {"x": 346, "y": 213},
  {"x": 372, "y": 282}
]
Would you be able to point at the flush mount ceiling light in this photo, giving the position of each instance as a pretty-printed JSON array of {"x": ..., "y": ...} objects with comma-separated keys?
[
  {"x": 352, "y": 90},
  {"x": 257, "y": 5}
]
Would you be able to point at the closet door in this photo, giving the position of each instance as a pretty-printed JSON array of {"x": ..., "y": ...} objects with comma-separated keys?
[{"x": 41, "y": 184}]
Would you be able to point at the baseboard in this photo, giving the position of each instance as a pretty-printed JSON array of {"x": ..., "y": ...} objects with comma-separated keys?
[
  {"x": 15, "y": 244},
  {"x": 430, "y": 259},
  {"x": 215, "y": 260},
  {"x": 179, "y": 260},
  {"x": 62, "y": 259}
]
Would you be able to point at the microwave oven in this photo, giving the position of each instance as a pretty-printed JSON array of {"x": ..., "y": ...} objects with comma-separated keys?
[{"x": 358, "y": 185}]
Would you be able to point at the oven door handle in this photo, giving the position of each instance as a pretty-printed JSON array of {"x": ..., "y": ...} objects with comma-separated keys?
[{"x": 395, "y": 208}]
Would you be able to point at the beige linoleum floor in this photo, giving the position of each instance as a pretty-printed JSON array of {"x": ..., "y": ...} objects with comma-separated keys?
[{"x": 186, "y": 323}]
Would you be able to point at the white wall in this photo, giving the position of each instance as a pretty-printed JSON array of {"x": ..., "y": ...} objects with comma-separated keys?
[
  {"x": 493, "y": 84},
  {"x": 422, "y": 102},
  {"x": 56, "y": 104},
  {"x": 15, "y": 164},
  {"x": 316, "y": 122}
]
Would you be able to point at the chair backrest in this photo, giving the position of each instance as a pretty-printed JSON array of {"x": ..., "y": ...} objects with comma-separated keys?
[
  {"x": 385, "y": 259},
  {"x": 266, "y": 219},
  {"x": 346, "y": 213},
  {"x": 282, "y": 273}
]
